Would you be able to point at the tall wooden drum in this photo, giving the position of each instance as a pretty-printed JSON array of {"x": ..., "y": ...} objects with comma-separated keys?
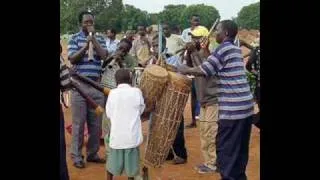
[
  {"x": 152, "y": 83},
  {"x": 166, "y": 119}
]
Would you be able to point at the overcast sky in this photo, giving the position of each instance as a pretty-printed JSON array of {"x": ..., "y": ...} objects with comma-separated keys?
[{"x": 226, "y": 8}]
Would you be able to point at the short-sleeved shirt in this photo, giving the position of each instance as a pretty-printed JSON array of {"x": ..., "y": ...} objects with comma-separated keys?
[
  {"x": 112, "y": 45},
  {"x": 84, "y": 67},
  {"x": 235, "y": 99}
]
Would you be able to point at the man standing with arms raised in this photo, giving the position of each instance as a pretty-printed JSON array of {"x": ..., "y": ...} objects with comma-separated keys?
[{"x": 81, "y": 111}]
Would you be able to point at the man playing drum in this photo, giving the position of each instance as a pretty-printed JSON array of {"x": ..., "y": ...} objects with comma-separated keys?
[
  {"x": 206, "y": 89},
  {"x": 78, "y": 54},
  {"x": 235, "y": 101}
]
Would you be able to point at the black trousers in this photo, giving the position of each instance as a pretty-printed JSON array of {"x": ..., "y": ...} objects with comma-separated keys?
[
  {"x": 232, "y": 142},
  {"x": 179, "y": 143},
  {"x": 63, "y": 162}
]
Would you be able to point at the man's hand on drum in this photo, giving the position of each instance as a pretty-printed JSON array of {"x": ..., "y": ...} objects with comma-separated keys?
[{"x": 182, "y": 68}]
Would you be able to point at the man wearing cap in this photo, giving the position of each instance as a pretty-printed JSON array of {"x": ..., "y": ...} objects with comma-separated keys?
[
  {"x": 186, "y": 37},
  {"x": 206, "y": 92}
]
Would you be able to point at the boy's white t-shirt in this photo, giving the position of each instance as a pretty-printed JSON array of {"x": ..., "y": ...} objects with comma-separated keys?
[{"x": 124, "y": 107}]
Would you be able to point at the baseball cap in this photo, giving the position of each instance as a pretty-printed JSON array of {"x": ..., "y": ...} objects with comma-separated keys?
[{"x": 200, "y": 31}]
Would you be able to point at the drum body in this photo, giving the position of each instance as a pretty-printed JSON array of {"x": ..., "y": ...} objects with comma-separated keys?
[
  {"x": 153, "y": 81},
  {"x": 166, "y": 119}
]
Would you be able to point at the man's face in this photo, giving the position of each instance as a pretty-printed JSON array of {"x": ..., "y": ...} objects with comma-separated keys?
[
  {"x": 195, "y": 21},
  {"x": 166, "y": 30},
  {"x": 124, "y": 47},
  {"x": 196, "y": 40},
  {"x": 141, "y": 30},
  {"x": 220, "y": 34},
  {"x": 87, "y": 22},
  {"x": 110, "y": 34},
  {"x": 149, "y": 30},
  {"x": 155, "y": 47}
]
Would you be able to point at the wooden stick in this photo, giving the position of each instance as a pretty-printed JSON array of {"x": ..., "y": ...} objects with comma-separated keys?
[
  {"x": 92, "y": 83},
  {"x": 98, "y": 109}
]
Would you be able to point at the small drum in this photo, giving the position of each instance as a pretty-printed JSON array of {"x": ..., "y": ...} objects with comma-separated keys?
[
  {"x": 152, "y": 83},
  {"x": 166, "y": 119},
  {"x": 136, "y": 76}
]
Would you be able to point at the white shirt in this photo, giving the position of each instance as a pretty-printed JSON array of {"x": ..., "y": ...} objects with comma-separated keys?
[
  {"x": 124, "y": 107},
  {"x": 174, "y": 43},
  {"x": 185, "y": 36},
  {"x": 112, "y": 45}
]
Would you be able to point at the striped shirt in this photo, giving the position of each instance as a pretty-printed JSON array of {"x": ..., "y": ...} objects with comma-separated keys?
[
  {"x": 234, "y": 97},
  {"x": 64, "y": 75},
  {"x": 84, "y": 66}
]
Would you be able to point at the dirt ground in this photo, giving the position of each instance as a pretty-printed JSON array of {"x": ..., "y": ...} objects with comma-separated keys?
[{"x": 168, "y": 171}]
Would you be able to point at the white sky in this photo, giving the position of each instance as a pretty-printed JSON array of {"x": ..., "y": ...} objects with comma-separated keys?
[{"x": 226, "y": 8}]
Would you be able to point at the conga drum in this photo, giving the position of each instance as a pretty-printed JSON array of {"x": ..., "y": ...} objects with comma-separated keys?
[
  {"x": 166, "y": 119},
  {"x": 152, "y": 83}
]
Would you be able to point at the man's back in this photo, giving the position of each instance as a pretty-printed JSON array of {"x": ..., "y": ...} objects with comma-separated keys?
[{"x": 124, "y": 107}]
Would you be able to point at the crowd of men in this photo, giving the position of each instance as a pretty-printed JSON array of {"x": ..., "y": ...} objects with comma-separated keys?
[{"x": 220, "y": 93}]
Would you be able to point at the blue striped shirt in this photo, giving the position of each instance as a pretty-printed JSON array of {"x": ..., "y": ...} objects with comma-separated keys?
[
  {"x": 235, "y": 99},
  {"x": 84, "y": 66}
]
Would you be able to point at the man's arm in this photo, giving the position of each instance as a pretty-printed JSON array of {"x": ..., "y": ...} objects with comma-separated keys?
[
  {"x": 109, "y": 105},
  {"x": 75, "y": 55}
]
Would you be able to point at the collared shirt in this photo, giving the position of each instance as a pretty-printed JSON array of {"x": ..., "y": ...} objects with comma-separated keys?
[
  {"x": 235, "y": 99},
  {"x": 84, "y": 66},
  {"x": 124, "y": 107},
  {"x": 112, "y": 45}
]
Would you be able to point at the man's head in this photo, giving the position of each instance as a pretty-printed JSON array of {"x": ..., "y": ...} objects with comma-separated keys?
[
  {"x": 197, "y": 34},
  {"x": 125, "y": 46},
  {"x": 86, "y": 19},
  {"x": 123, "y": 76},
  {"x": 141, "y": 30},
  {"x": 155, "y": 44},
  {"x": 195, "y": 20},
  {"x": 130, "y": 35},
  {"x": 176, "y": 30},
  {"x": 111, "y": 33},
  {"x": 226, "y": 29},
  {"x": 149, "y": 30},
  {"x": 166, "y": 30}
]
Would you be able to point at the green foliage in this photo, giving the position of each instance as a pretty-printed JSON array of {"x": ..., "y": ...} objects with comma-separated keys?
[
  {"x": 208, "y": 14},
  {"x": 252, "y": 81},
  {"x": 112, "y": 13},
  {"x": 249, "y": 16},
  {"x": 171, "y": 14}
]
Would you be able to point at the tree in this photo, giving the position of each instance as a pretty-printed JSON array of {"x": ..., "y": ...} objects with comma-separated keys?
[
  {"x": 111, "y": 16},
  {"x": 69, "y": 10},
  {"x": 249, "y": 16},
  {"x": 133, "y": 17},
  {"x": 171, "y": 14},
  {"x": 208, "y": 14}
]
